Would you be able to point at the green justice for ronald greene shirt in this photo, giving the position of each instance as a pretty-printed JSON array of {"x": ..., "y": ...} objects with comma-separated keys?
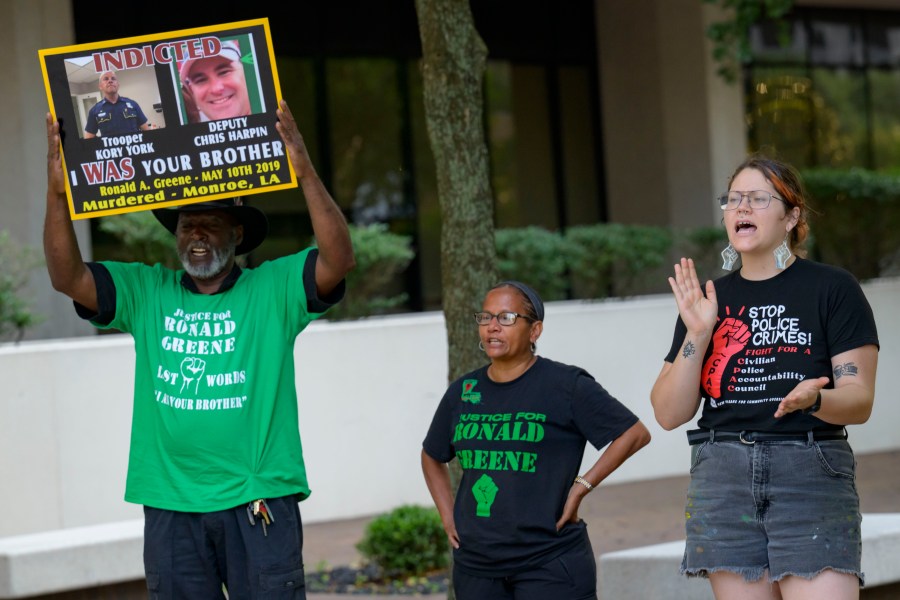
[{"x": 215, "y": 420}]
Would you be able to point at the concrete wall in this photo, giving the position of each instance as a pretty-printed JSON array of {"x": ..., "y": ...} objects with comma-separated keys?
[{"x": 367, "y": 392}]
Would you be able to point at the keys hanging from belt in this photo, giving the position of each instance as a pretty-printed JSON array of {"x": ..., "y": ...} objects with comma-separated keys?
[{"x": 258, "y": 510}]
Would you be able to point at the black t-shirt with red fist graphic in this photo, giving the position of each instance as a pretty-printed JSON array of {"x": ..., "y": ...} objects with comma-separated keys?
[{"x": 770, "y": 336}]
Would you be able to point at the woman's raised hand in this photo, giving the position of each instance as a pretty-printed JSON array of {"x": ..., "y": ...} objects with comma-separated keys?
[{"x": 698, "y": 311}]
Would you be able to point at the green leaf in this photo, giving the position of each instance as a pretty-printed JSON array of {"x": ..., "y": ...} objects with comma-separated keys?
[{"x": 16, "y": 315}]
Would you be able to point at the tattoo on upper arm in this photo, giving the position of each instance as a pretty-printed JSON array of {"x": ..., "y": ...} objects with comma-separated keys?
[
  {"x": 845, "y": 369},
  {"x": 688, "y": 350}
]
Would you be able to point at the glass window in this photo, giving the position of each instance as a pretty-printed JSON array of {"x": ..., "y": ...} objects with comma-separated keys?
[
  {"x": 289, "y": 227},
  {"x": 579, "y": 159},
  {"x": 883, "y": 40},
  {"x": 768, "y": 45},
  {"x": 428, "y": 207},
  {"x": 834, "y": 42},
  {"x": 884, "y": 89},
  {"x": 780, "y": 113},
  {"x": 501, "y": 124},
  {"x": 840, "y": 132},
  {"x": 365, "y": 135},
  {"x": 520, "y": 146},
  {"x": 831, "y": 102}
]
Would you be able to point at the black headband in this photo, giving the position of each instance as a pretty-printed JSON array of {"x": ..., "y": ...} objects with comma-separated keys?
[{"x": 530, "y": 294}]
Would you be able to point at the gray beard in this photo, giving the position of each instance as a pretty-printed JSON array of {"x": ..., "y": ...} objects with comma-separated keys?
[{"x": 220, "y": 258}]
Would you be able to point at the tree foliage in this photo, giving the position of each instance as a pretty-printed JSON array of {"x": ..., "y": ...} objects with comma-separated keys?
[
  {"x": 731, "y": 37},
  {"x": 18, "y": 262},
  {"x": 141, "y": 239}
]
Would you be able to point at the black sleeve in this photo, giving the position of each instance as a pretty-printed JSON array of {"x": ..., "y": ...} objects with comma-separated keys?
[
  {"x": 106, "y": 297},
  {"x": 314, "y": 303},
  {"x": 599, "y": 416},
  {"x": 677, "y": 340}
]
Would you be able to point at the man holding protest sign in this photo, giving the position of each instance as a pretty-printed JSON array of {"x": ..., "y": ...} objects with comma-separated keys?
[{"x": 216, "y": 458}]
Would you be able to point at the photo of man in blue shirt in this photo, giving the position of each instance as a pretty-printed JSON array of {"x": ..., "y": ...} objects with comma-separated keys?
[{"x": 114, "y": 114}]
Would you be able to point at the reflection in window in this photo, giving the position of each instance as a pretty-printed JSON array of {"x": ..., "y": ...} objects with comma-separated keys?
[
  {"x": 884, "y": 87},
  {"x": 289, "y": 227},
  {"x": 364, "y": 99},
  {"x": 521, "y": 150},
  {"x": 829, "y": 96},
  {"x": 841, "y": 130}
]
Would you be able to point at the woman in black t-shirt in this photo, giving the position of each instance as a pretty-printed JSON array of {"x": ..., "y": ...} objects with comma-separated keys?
[
  {"x": 781, "y": 354},
  {"x": 518, "y": 427}
]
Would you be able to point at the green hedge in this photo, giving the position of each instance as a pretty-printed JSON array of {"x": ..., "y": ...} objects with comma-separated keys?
[
  {"x": 855, "y": 224},
  {"x": 855, "y": 220},
  {"x": 613, "y": 259},
  {"x": 380, "y": 256},
  {"x": 535, "y": 255}
]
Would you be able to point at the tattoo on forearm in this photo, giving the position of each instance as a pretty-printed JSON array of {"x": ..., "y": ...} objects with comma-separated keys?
[
  {"x": 688, "y": 350},
  {"x": 845, "y": 369}
]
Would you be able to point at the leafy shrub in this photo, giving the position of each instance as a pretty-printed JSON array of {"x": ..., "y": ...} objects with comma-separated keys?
[
  {"x": 704, "y": 245},
  {"x": 535, "y": 256},
  {"x": 18, "y": 261},
  {"x": 408, "y": 541},
  {"x": 855, "y": 219},
  {"x": 380, "y": 256},
  {"x": 141, "y": 239},
  {"x": 616, "y": 259}
]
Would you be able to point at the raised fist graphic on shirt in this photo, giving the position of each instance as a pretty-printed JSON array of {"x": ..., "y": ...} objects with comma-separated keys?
[
  {"x": 729, "y": 339},
  {"x": 192, "y": 368},
  {"x": 484, "y": 490}
]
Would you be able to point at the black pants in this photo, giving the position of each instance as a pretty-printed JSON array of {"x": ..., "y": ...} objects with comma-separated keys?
[
  {"x": 571, "y": 576},
  {"x": 193, "y": 556}
]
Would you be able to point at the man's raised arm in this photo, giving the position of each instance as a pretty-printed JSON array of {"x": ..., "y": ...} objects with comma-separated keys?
[
  {"x": 329, "y": 225},
  {"x": 68, "y": 273}
]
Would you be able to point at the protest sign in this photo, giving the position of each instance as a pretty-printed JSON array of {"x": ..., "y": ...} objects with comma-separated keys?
[{"x": 168, "y": 119}]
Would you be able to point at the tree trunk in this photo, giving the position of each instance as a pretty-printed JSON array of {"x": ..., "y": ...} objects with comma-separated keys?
[{"x": 453, "y": 71}]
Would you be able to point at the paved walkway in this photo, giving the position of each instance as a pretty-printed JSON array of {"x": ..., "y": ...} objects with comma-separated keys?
[{"x": 619, "y": 516}]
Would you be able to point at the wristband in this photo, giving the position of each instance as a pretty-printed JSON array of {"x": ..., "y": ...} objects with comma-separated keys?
[
  {"x": 584, "y": 482},
  {"x": 815, "y": 405}
]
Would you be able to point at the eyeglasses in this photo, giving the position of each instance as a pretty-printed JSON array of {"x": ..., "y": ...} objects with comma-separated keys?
[
  {"x": 756, "y": 199},
  {"x": 505, "y": 318}
]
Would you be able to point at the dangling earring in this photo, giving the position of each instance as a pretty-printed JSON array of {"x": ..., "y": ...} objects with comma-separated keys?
[
  {"x": 481, "y": 346},
  {"x": 782, "y": 255},
  {"x": 533, "y": 348},
  {"x": 729, "y": 257}
]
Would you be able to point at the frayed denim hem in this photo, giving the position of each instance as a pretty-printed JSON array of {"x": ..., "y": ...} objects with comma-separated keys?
[
  {"x": 755, "y": 574},
  {"x": 859, "y": 574},
  {"x": 749, "y": 574}
]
